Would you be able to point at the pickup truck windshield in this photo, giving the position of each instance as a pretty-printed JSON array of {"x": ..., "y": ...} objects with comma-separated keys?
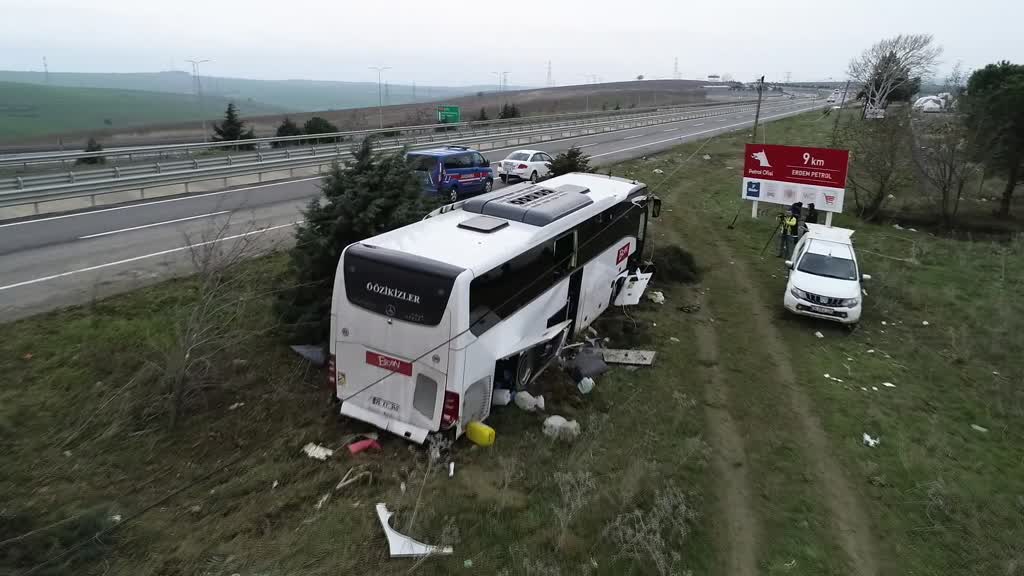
[{"x": 828, "y": 266}]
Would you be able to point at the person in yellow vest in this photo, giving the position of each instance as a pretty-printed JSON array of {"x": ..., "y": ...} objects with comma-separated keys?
[{"x": 789, "y": 224}]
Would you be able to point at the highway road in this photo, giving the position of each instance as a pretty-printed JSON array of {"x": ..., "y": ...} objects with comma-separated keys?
[{"x": 56, "y": 261}]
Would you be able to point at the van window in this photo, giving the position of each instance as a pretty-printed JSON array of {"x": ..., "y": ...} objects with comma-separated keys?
[
  {"x": 398, "y": 285},
  {"x": 458, "y": 161},
  {"x": 479, "y": 160}
]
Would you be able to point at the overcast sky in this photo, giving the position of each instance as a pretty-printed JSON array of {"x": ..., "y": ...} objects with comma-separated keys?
[{"x": 460, "y": 43}]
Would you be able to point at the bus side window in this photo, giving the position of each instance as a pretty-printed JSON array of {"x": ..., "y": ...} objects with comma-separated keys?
[{"x": 565, "y": 246}]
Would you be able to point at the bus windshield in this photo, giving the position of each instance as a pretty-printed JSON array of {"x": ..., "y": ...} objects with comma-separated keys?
[{"x": 398, "y": 285}]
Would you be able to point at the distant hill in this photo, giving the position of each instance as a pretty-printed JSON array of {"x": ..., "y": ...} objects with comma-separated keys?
[
  {"x": 28, "y": 110},
  {"x": 289, "y": 95}
]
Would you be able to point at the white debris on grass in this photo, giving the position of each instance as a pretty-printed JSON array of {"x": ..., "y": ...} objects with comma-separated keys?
[
  {"x": 875, "y": 388},
  {"x": 451, "y": 469},
  {"x": 707, "y": 156},
  {"x": 656, "y": 296},
  {"x": 871, "y": 442},
  {"x": 559, "y": 428},
  {"x": 115, "y": 518},
  {"x": 501, "y": 397},
  {"x": 320, "y": 503},
  {"x": 659, "y": 171},
  {"x": 979, "y": 428},
  {"x": 673, "y": 338},
  {"x": 884, "y": 323},
  {"x": 585, "y": 385},
  {"x": 924, "y": 322},
  {"x": 888, "y": 384},
  {"x": 871, "y": 351},
  {"x": 236, "y": 405},
  {"x": 526, "y": 401},
  {"x": 317, "y": 451},
  {"x": 274, "y": 485},
  {"x": 819, "y": 334},
  {"x": 400, "y": 545}
]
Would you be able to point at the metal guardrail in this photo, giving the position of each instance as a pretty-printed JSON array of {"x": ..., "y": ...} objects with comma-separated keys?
[
  {"x": 271, "y": 142},
  {"x": 60, "y": 186}
]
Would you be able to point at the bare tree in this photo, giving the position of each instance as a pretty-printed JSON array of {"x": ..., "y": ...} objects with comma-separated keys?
[
  {"x": 941, "y": 153},
  {"x": 891, "y": 63},
  {"x": 880, "y": 161}
]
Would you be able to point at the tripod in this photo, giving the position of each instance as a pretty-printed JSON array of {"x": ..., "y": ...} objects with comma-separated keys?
[{"x": 778, "y": 224}]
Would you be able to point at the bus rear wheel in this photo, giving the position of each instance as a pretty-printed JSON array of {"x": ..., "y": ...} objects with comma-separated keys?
[{"x": 526, "y": 368}]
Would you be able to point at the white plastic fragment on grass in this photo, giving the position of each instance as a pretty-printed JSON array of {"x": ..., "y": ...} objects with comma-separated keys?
[
  {"x": 274, "y": 485},
  {"x": 659, "y": 171},
  {"x": 872, "y": 351},
  {"x": 585, "y": 385},
  {"x": 979, "y": 428},
  {"x": 871, "y": 442},
  {"x": 888, "y": 384},
  {"x": 115, "y": 518},
  {"x": 656, "y": 296},
  {"x": 559, "y": 428},
  {"x": 236, "y": 405},
  {"x": 320, "y": 502},
  {"x": 526, "y": 401},
  {"x": 400, "y": 545},
  {"x": 317, "y": 451},
  {"x": 819, "y": 334},
  {"x": 924, "y": 322}
]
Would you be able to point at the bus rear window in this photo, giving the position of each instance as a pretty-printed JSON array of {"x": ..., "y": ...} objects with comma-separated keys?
[{"x": 398, "y": 285}]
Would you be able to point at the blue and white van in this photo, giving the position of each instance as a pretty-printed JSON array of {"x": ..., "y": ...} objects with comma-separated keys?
[{"x": 453, "y": 171}]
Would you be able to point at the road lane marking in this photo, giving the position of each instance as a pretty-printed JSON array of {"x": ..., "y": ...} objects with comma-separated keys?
[
  {"x": 586, "y": 145},
  {"x": 145, "y": 256},
  {"x": 151, "y": 225},
  {"x": 698, "y": 125},
  {"x": 670, "y": 130},
  {"x": 634, "y": 136},
  {"x": 153, "y": 203},
  {"x": 685, "y": 136}
]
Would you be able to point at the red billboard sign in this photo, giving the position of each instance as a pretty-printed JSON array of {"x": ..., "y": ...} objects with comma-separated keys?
[{"x": 788, "y": 174}]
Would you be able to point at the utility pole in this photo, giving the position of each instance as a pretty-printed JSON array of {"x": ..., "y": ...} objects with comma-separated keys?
[
  {"x": 414, "y": 91},
  {"x": 46, "y": 71},
  {"x": 498, "y": 75},
  {"x": 387, "y": 93},
  {"x": 199, "y": 92},
  {"x": 550, "y": 81},
  {"x": 504, "y": 80},
  {"x": 757, "y": 114},
  {"x": 380, "y": 96},
  {"x": 788, "y": 75},
  {"x": 675, "y": 70},
  {"x": 835, "y": 126}
]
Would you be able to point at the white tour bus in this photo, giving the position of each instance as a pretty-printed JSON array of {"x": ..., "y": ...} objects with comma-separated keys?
[{"x": 427, "y": 320}]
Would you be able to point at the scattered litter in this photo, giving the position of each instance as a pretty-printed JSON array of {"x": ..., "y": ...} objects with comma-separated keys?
[
  {"x": 585, "y": 385},
  {"x": 863, "y": 388},
  {"x": 451, "y": 469},
  {"x": 979, "y": 428},
  {"x": 363, "y": 445},
  {"x": 673, "y": 338},
  {"x": 888, "y": 384},
  {"x": 994, "y": 373},
  {"x": 790, "y": 564},
  {"x": 315, "y": 354},
  {"x": 320, "y": 502},
  {"x": 559, "y": 428},
  {"x": 871, "y": 351},
  {"x": 115, "y": 518},
  {"x": 897, "y": 226},
  {"x": 875, "y": 388},
  {"x": 632, "y": 289},
  {"x": 236, "y": 405},
  {"x": 349, "y": 479},
  {"x": 819, "y": 334},
  {"x": 637, "y": 357},
  {"x": 26, "y": 356},
  {"x": 659, "y": 171},
  {"x": 655, "y": 324},
  {"x": 401, "y": 546},
  {"x": 317, "y": 451},
  {"x": 891, "y": 196},
  {"x": 871, "y": 442},
  {"x": 827, "y": 375},
  {"x": 863, "y": 291},
  {"x": 911, "y": 230},
  {"x": 924, "y": 322},
  {"x": 402, "y": 487},
  {"x": 467, "y": 563},
  {"x": 657, "y": 297},
  {"x": 588, "y": 362},
  {"x": 707, "y": 156},
  {"x": 274, "y": 485},
  {"x": 195, "y": 509},
  {"x": 67, "y": 453},
  {"x": 480, "y": 434},
  {"x": 731, "y": 262},
  {"x": 501, "y": 397},
  {"x": 884, "y": 323},
  {"x": 528, "y": 402}
]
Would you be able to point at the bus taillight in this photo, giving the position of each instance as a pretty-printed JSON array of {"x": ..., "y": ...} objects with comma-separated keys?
[
  {"x": 332, "y": 373},
  {"x": 450, "y": 410}
]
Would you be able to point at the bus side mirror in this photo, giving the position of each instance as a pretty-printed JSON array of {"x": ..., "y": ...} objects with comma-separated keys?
[
  {"x": 865, "y": 277},
  {"x": 656, "y": 207}
]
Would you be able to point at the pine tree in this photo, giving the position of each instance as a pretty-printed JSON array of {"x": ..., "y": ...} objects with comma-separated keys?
[
  {"x": 319, "y": 125},
  {"x": 92, "y": 145},
  {"x": 482, "y": 116},
  {"x": 572, "y": 160},
  {"x": 370, "y": 195},
  {"x": 231, "y": 128},
  {"x": 287, "y": 128}
]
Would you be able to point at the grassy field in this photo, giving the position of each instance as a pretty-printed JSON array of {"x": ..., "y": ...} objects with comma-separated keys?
[
  {"x": 28, "y": 110},
  {"x": 733, "y": 454}
]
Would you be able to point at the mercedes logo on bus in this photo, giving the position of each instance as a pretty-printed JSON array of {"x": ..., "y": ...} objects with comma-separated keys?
[{"x": 390, "y": 310}]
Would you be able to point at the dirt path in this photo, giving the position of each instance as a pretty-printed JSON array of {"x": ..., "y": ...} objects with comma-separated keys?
[
  {"x": 737, "y": 535},
  {"x": 849, "y": 522}
]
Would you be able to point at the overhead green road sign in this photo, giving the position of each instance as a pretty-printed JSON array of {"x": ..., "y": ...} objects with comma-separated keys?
[{"x": 448, "y": 115}]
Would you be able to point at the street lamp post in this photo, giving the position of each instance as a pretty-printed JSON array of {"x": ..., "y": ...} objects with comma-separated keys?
[
  {"x": 199, "y": 91},
  {"x": 380, "y": 96}
]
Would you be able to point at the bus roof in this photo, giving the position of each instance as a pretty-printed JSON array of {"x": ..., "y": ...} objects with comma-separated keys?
[{"x": 441, "y": 238}]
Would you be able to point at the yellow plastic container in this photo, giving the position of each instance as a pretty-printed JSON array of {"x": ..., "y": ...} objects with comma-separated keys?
[{"x": 480, "y": 434}]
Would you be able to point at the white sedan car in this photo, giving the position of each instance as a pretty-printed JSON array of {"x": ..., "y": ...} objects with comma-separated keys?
[
  {"x": 529, "y": 165},
  {"x": 824, "y": 281}
]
